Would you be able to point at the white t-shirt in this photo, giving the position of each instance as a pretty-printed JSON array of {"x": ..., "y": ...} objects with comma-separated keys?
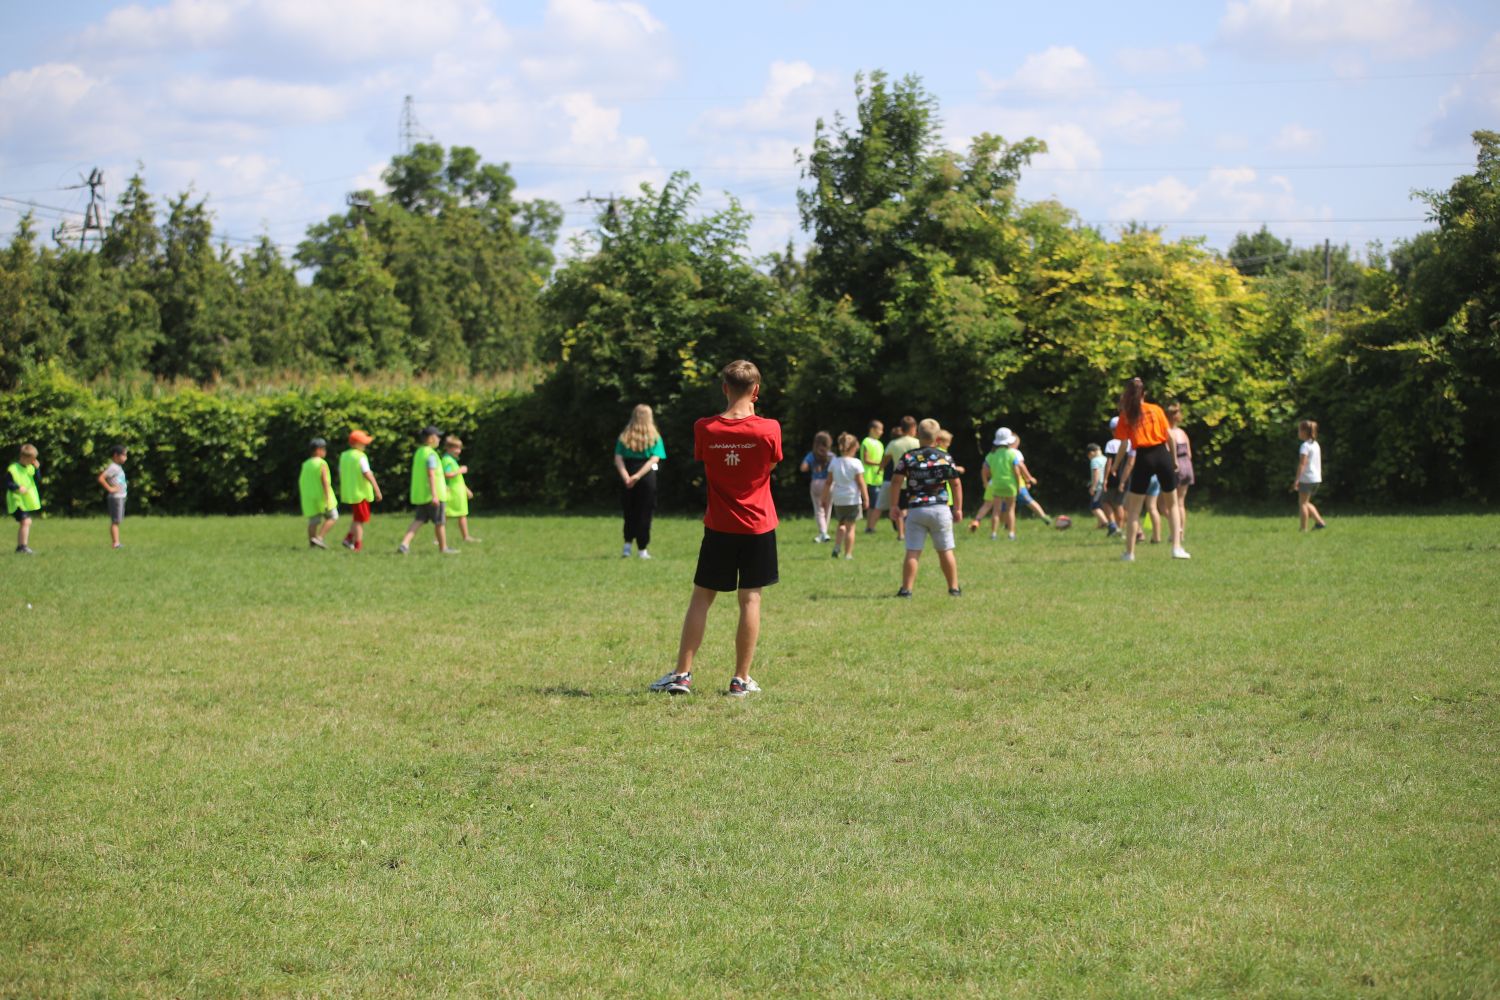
[
  {"x": 846, "y": 474},
  {"x": 364, "y": 463},
  {"x": 1312, "y": 472}
]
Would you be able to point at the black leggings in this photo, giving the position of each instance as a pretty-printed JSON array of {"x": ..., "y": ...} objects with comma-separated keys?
[
  {"x": 639, "y": 505},
  {"x": 1157, "y": 461}
]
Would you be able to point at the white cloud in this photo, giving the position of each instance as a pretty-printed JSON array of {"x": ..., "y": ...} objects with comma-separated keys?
[
  {"x": 1058, "y": 71},
  {"x": 1294, "y": 138},
  {"x": 596, "y": 42},
  {"x": 249, "y": 99},
  {"x": 794, "y": 96},
  {"x": 1137, "y": 119},
  {"x": 1231, "y": 197},
  {"x": 1471, "y": 104},
  {"x": 1281, "y": 28},
  {"x": 1162, "y": 59}
]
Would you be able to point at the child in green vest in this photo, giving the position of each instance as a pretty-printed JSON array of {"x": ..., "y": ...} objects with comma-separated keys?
[
  {"x": 357, "y": 488},
  {"x": 459, "y": 493},
  {"x": 429, "y": 493},
  {"x": 315, "y": 486},
  {"x": 22, "y": 499}
]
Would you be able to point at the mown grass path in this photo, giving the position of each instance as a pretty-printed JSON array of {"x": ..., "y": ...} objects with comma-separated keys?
[{"x": 234, "y": 767}]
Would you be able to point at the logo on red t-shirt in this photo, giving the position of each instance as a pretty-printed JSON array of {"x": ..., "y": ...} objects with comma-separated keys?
[{"x": 739, "y": 486}]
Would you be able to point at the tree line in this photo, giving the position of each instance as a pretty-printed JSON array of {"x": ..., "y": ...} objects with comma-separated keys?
[{"x": 927, "y": 287}]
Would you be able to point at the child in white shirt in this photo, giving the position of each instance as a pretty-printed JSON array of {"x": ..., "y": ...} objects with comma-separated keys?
[{"x": 850, "y": 494}]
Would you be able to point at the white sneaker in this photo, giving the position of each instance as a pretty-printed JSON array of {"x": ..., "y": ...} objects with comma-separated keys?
[
  {"x": 1128, "y": 557},
  {"x": 669, "y": 678},
  {"x": 625, "y": 552},
  {"x": 750, "y": 685},
  {"x": 1011, "y": 536},
  {"x": 993, "y": 536},
  {"x": 1180, "y": 553},
  {"x": 644, "y": 554}
]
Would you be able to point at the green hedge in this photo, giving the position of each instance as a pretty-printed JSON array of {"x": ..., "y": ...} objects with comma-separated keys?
[{"x": 224, "y": 453}]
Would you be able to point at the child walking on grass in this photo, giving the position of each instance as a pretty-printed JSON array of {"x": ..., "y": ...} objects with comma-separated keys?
[
  {"x": 1027, "y": 480},
  {"x": 815, "y": 464},
  {"x": 429, "y": 493},
  {"x": 1309, "y": 475},
  {"x": 357, "y": 488},
  {"x": 738, "y": 450},
  {"x": 22, "y": 498},
  {"x": 1001, "y": 484},
  {"x": 850, "y": 492},
  {"x": 1097, "y": 463},
  {"x": 113, "y": 481},
  {"x": 315, "y": 487},
  {"x": 921, "y": 479},
  {"x": 459, "y": 493}
]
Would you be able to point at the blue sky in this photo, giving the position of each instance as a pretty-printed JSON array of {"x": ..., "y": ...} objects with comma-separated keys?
[{"x": 1316, "y": 116}]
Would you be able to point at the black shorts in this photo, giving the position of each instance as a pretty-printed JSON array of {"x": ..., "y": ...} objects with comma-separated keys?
[
  {"x": 1157, "y": 461},
  {"x": 21, "y": 515},
  {"x": 736, "y": 562},
  {"x": 434, "y": 512}
]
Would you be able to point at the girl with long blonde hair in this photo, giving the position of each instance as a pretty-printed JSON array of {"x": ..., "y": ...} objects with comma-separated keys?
[{"x": 638, "y": 453}]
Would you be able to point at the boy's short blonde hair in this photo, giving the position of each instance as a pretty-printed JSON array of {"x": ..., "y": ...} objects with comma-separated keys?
[
  {"x": 452, "y": 441},
  {"x": 943, "y": 439},
  {"x": 741, "y": 376},
  {"x": 28, "y": 451},
  {"x": 927, "y": 430}
]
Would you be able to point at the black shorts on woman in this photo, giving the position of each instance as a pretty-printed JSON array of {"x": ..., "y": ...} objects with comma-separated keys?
[{"x": 1157, "y": 460}]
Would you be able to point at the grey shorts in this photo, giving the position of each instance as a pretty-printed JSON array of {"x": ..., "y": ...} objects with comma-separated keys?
[
  {"x": 434, "y": 513},
  {"x": 846, "y": 513},
  {"x": 116, "y": 507},
  {"x": 1115, "y": 498},
  {"x": 936, "y": 521},
  {"x": 1308, "y": 490},
  {"x": 883, "y": 498},
  {"x": 327, "y": 515}
]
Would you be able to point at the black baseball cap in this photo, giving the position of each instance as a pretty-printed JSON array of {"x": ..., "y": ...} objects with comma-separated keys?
[
  {"x": 317, "y": 443},
  {"x": 430, "y": 431}
]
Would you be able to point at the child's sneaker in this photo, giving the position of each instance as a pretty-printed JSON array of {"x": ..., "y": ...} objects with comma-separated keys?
[
  {"x": 1128, "y": 557},
  {"x": 903, "y": 592},
  {"x": 25, "y": 550},
  {"x": 994, "y": 536},
  {"x": 317, "y": 543},
  {"x": 625, "y": 552},
  {"x": 955, "y": 591},
  {"x": 1010, "y": 536},
  {"x": 348, "y": 543},
  {"x": 1319, "y": 526},
  {"x": 1114, "y": 529},
  {"x": 401, "y": 550},
  {"x": 681, "y": 684},
  {"x": 750, "y": 684},
  {"x": 835, "y": 552},
  {"x": 119, "y": 545},
  {"x": 669, "y": 678},
  {"x": 644, "y": 554},
  {"x": 1180, "y": 553},
  {"x": 737, "y": 688},
  {"x": 1047, "y": 520},
  {"x": 450, "y": 551}
]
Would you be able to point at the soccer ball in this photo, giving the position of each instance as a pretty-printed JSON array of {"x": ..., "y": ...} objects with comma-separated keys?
[{"x": 1062, "y": 522}]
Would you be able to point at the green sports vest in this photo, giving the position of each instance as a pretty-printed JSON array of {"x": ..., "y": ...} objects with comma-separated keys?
[
  {"x": 353, "y": 486},
  {"x": 874, "y": 474},
  {"x": 458, "y": 494},
  {"x": 421, "y": 492},
  {"x": 25, "y": 476},
  {"x": 315, "y": 497}
]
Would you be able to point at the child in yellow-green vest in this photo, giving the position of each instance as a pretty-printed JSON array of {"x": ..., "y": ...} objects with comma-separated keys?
[
  {"x": 315, "y": 485},
  {"x": 22, "y": 499},
  {"x": 429, "y": 493},
  {"x": 357, "y": 488},
  {"x": 459, "y": 493}
]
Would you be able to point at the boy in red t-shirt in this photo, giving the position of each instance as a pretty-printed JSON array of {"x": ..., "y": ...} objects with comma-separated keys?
[{"x": 738, "y": 451}]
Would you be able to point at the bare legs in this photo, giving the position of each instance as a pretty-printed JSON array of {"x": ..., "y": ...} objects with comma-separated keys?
[
  {"x": 23, "y": 533},
  {"x": 1182, "y": 510},
  {"x": 947, "y": 562},
  {"x": 695, "y": 623},
  {"x": 1307, "y": 511},
  {"x": 843, "y": 538}
]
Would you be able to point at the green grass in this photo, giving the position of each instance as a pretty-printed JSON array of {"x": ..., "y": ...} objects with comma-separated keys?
[{"x": 234, "y": 767}]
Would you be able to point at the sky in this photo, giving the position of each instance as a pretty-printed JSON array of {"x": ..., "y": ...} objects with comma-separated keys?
[{"x": 1206, "y": 117}]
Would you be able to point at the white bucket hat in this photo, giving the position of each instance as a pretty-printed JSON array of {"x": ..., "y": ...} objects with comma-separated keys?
[{"x": 1004, "y": 437}]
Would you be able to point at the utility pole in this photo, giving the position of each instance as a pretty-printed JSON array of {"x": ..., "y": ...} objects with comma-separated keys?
[
  {"x": 411, "y": 131},
  {"x": 93, "y": 215},
  {"x": 609, "y": 218},
  {"x": 1327, "y": 287}
]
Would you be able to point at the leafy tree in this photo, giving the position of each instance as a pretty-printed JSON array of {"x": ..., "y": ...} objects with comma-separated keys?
[
  {"x": 202, "y": 335},
  {"x": 30, "y": 331}
]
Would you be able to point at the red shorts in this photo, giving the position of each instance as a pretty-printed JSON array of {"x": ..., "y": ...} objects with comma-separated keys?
[{"x": 362, "y": 512}]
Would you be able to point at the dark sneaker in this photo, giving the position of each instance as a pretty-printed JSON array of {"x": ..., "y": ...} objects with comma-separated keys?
[
  {"x": 955, "y": 591},
  {"x": 1319, "y": 527},
  {"x": 737, "y": 688},
  {"x": 401, "y": 550},
  {"x": 25, "y": 550},
  {"x": 348, "y": 543},
  {"x": 667, "y": 679},
  {"x": 681, "y": 684},
  {"x": 903, "y": 592},
  {"x": 835, "y": 552}
]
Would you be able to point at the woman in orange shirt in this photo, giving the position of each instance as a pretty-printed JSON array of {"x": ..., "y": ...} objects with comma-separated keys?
[{"x": 1145, "y": 426}]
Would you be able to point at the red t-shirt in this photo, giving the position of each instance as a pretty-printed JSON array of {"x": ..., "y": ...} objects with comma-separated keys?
[{"x": 737, "y": 456}]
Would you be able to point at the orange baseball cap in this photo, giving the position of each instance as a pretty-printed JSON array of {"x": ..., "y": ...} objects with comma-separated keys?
[{"x": 359, "y": 437}]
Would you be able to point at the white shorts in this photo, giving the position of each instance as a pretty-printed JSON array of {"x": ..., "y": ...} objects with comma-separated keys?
[{"x": 936, "y": 521}]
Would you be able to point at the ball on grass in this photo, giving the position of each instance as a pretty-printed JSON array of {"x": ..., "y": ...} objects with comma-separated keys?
[{"x": 1062, "y": 522}]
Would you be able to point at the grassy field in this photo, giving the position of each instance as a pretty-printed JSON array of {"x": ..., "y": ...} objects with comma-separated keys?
[{"x": 235, "y": 767}]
